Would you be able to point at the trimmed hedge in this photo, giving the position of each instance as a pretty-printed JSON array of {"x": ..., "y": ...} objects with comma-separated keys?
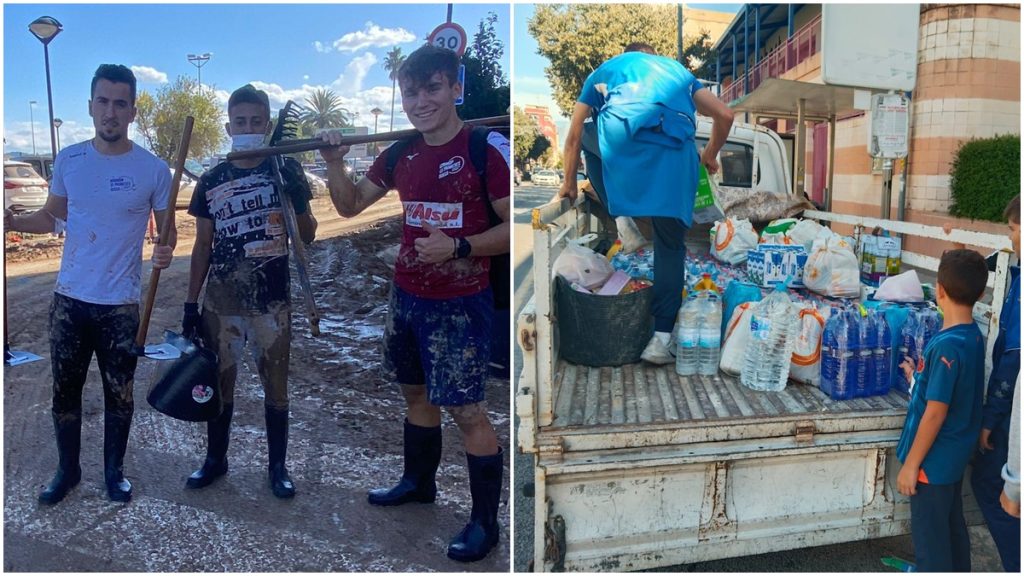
[{"x": 984, "y": 177}]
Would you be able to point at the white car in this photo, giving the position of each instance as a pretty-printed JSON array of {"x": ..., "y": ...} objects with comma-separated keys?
[
  {"x": 24, "y": 188},
  {"x": 545, "y": 178}
]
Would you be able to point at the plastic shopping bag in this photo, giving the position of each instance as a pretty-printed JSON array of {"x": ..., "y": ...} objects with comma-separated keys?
[
  {"x": 777, "y": 231},
  {"x": 581, "y": 265},
  {"x": 731, "y": 238},
  {"x": 832, "y": 269},
  {"x": 904, "y": 287},
  {"x": 737, "y": 338},
  {"x": 805, "y": 232},
  {"x": 705, "y": 206},
  {"x": 805, "y": 366}
]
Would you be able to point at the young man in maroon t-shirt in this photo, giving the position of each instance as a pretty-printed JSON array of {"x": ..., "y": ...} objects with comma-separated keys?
[{"x": 437, "y": 334}]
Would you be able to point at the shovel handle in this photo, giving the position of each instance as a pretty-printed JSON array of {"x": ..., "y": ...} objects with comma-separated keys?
[{"x": 165, "y": 230}]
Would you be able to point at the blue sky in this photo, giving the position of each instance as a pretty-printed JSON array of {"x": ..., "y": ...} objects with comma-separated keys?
[
  {"x": 286, "y": 50},
  {"x": 530, "y": 85}
]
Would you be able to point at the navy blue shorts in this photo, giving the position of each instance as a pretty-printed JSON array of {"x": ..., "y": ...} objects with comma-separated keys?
[{"x": 443, "y": 344}]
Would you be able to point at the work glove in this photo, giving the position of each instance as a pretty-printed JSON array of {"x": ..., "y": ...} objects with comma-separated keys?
[{"x": 190, "y": 321}]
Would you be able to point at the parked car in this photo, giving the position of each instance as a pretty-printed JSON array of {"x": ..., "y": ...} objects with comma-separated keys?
[
  {"x": 42, "y": 164},
  {"x": 24, "y": 188},
  {"x": 546, "y": 178}
]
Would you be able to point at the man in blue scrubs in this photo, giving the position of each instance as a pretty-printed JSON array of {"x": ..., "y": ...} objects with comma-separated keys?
[{"x": 644, "y": 106}]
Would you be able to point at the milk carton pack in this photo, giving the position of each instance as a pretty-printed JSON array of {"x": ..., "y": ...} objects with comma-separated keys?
[{"x": 772, "y": 263}]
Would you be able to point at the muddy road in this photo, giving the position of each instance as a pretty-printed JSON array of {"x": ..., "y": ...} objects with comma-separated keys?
[{"x": 346, "y": 437}]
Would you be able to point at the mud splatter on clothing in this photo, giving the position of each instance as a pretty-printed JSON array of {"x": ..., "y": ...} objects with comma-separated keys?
[
  {"x": 443, "y": 344},
  {"x": 77, "y": 331}
]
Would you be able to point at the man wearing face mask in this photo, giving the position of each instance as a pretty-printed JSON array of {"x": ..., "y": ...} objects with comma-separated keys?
[
  {"x": 241, "y": 253},
  {"x": 102, "y": 193}
]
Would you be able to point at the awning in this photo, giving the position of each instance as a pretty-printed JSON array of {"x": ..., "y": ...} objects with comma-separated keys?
[{"x": 778, "y": 97}]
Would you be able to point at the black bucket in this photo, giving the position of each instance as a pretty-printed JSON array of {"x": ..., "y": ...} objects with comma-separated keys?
[
  {"x": 187, "y": 389},
  {"x": 602, "y": 330}
]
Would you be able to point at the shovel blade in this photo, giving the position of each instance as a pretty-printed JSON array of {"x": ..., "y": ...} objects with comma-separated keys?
[
  {"x": 162, "y": 351},
  {"x": 19, "y": 357},
  {"x": 187, "y": 388}
]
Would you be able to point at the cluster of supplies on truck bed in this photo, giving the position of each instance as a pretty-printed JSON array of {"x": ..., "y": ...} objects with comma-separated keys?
[{"x": 795, "y": 303}]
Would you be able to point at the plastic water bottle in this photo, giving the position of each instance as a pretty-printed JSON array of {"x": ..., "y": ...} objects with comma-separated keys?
[
  {"x": 766, "y": 363},
  {"x": 866, "y": 344},
  {"x": 908, "y": 348},
  {"x": 709, "y": 335},
  {"x": 883, "y": 355},
  {"x": 838, "y": 374},
  {"x": 687, "y": 337}
]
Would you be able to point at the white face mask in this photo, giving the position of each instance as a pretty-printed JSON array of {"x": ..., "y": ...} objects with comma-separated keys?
[{"x": 241, "y": 142}]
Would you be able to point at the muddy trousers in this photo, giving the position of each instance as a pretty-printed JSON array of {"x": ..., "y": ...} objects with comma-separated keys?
[{"x": 77, "y": 331}]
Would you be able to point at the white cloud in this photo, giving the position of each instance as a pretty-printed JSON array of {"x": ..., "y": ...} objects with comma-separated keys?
[
  {"x": 355, "y": 73},
  {"x": 370, "y": 36},
  {"x": 305, "y": 76},
  {"x": 18, "y": 136},
  {"x": 149, "y": 75},
  {"x": 320, "y": 47}
]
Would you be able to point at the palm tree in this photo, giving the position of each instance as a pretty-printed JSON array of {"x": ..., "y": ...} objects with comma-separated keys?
[
  {"x": 392, "y": 62},
  {"x": 323, "y": 110}
]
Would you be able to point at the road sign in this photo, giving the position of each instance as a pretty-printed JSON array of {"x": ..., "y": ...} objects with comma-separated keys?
[
  {"x": 462, "y": 82},
  {"x": 890, "y": 125},
  {"x": 451, "y": 36}
]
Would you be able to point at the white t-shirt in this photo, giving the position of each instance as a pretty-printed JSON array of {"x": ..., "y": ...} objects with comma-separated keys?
[{"x": 109, "y": 202}]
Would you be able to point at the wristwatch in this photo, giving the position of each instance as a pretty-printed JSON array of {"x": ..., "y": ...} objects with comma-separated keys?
[{"x": 463, "y": 249}]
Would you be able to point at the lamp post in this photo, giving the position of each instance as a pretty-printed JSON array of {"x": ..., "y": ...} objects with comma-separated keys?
[
  {"x": 46, "y": 28},
  {"x": 199, "y": 60},
  {"x": 32, "y": 123},
  {"x": 56, "y": 124}
]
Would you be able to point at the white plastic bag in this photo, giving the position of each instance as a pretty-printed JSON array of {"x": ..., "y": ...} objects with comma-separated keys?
[
  {"x": 805, "y": 232},
  {"x": 737, "y": 338},
  {"x": 904, "y": 287},
  {"x": 583, "y": 266},
  {"x": 805, "y": 365},
  {"x": 630, "y": 235},
  {"x": 731, "y": 238},
  {"x": 832, "y": 269}
]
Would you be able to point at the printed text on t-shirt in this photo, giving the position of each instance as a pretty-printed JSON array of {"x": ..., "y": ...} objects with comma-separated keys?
[
  {"x": 438, "y": 214},
  {"x": 450, "y": 167}
]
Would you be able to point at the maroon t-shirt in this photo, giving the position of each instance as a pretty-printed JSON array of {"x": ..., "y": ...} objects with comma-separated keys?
[{"x": 440, "y": 184}]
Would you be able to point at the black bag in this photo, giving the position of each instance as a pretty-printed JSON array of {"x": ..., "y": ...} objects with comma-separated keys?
[{"x": 187, "y": 388}]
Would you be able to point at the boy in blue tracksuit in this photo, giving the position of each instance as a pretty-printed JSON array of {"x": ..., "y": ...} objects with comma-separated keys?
[
  {"x": 986, "y": 479},
  {"x": 944, "y": 419}
]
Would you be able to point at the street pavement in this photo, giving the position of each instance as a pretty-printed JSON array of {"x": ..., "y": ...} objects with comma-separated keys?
[{"x": 863, "y": 556}]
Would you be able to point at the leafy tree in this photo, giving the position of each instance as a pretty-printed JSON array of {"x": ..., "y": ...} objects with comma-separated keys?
[
  {"x": 392, "y": 62},
  {"x": 486, "y": 90},
  {"x": 161, "y": 119},
  {"x": 528, "y": 142},
  {"x": 323, "y": 110},
  {"x": 577, "y": 38}
]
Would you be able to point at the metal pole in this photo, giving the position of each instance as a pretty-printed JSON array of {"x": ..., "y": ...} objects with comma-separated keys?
[
  {"x": 801, "y": 149},
  {"x": 901, "y": 205},
  {"x": 49, "y": 97},
  {"x": 886, "y": 187},
  {"x": 746, "y": 49},
  {"x": 449, "y": 13},
  {"x": 679, "y": 34},
  {"x": 831, "y": 160},
  {"x": 32, "y": 124}
]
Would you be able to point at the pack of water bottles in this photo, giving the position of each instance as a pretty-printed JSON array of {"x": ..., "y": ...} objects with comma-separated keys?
[
  {"x": 921, "y": 325},
  {"x": 772, "y": 336},
  {"x": 856, "y": 354},
  {"x": 698, "y": 334}
]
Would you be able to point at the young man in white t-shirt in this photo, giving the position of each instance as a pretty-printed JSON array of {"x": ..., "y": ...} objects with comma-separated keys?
[{"x": 102, "y": 193}]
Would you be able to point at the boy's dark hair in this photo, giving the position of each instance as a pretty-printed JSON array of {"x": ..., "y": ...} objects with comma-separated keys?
[
  {"x": 1012, "y": 212},
  {"x": 640, "y": 47},
  {"x": 249, "y": 94},
  {"x": 420, "y": 66},
  {"x": 113, "y": 73},
  {"x": 962, "y": 274}
]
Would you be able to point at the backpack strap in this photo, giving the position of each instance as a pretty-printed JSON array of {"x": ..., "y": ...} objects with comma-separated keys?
[
  {"x": 394, "y": 153},
  {"x": 478, "y": 157}
]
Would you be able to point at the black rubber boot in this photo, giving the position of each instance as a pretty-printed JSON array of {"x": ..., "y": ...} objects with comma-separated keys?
[
  {"x": 115, "y": 444},
  {"x": 422, "y": 457},
  {"x": 481, "y": 534},
  {"x": 69, "y": 472},
  {"x": 277, "y": 443},
  {"x": 218, "y": 432}
]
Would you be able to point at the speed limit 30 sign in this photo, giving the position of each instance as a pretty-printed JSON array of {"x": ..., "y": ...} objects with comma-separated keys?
[{"x": 451, "y": 36}]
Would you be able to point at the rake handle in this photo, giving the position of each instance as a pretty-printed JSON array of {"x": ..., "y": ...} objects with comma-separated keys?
[
  {"x": 165, "y": 229},
  {"x": 295, "y": 146}
]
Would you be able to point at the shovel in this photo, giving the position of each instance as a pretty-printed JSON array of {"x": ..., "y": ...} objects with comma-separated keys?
[
  {"x": 165, "y": 350},
  {"x": 12, "y": 357}
]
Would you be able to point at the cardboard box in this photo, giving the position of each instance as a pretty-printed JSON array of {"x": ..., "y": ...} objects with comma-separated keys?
[
  {"x": 880, "y": 257},
  {"x": 769, "y": 264}
]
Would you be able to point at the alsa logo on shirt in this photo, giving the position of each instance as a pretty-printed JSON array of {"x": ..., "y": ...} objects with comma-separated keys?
[
  {"x": 437, "y": 214},
  {"x": 453, "y": 166}
]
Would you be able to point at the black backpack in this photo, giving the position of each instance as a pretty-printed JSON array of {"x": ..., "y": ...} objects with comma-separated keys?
[{"x": 500, "y": 264}]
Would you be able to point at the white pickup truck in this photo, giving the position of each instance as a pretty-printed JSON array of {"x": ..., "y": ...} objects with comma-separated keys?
[{"x": 638, "y": 468}]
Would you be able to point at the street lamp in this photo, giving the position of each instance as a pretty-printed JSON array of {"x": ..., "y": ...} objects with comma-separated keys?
[
  {"x": 56, "y": 124},
  {"x": 32, "y": 123},
  {"x": 46, "y": 28},
  {"x": 199, "y": 60},
  {"x": 376, "y": 112}
]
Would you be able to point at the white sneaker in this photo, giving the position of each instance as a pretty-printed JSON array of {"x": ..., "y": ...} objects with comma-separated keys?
[{"x": 657, "y": 352}]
